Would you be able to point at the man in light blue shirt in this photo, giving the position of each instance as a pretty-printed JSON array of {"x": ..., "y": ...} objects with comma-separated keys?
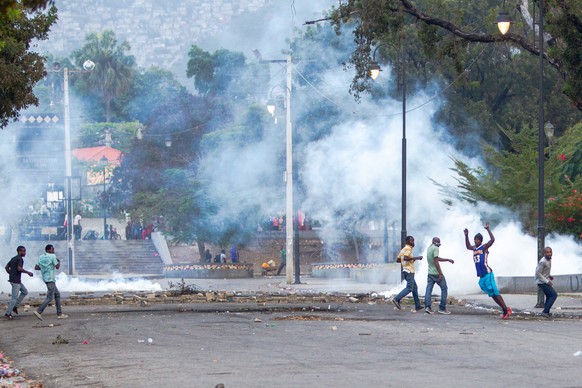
[{"x": 47, "y": 264}]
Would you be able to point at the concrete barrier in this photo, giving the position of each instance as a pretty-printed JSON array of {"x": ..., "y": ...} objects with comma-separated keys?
[
  {"x": 209, "y": 271},
  {"x": 380, "y": 273},
  {"x": 526, "y": 284},
  {"x": 377, "y": 273}
]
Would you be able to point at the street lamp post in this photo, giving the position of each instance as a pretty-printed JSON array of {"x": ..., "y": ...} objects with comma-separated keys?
[
  {"x": 503, "y": 24},
  {"x": 88, "y": 66},
  {"x": 374, "y": 73},
  {"x": 541, "y": 229},
  {"x": 292, "y": 265},
  {"x": 104, "y": 162}
]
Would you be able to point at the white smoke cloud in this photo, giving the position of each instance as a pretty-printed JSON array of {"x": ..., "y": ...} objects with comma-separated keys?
[{"x": 65, "y": 283}]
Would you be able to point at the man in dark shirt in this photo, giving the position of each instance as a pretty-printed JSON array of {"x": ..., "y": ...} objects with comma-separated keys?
[{"x": 15, "y": 268}]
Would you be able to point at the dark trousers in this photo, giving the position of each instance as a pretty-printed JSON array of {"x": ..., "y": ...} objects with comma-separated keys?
[
  {"x": 410, "y": 287},
  {"x": 281, "y": 266},
  {"x": 551, "y": 296}
]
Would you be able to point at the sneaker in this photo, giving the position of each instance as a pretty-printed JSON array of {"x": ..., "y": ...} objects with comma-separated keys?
[
  {"x": 62, "y": 316},
  {"x": 507, "y": 313},
  {"x": 415, "y": 309},
  {"x": 547, "y": 315},
  {"x": 397, "y": 304},
  {"x": 444, "y": 312},
  {"x": 15, "y": 310},
  {"x": 428, "y": 310},
  {"x": 37, "y": 314},
  {"x": 8, "y": 316}
]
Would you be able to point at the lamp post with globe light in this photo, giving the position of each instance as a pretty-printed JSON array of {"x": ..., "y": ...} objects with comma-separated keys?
[
  {"x": 375, "y": 70},
  {"x": 88, "y": 66},
  {"x": 504, "y": 24}
]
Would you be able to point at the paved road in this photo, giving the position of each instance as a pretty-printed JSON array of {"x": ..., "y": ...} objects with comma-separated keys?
[{"x": 284, "y": 345}]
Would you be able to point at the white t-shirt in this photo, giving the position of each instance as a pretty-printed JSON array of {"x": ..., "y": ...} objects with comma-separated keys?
[{"x": 77, "y": 220}]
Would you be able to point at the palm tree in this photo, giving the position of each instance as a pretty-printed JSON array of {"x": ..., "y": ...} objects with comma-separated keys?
[{"x": 113, "y": 67}]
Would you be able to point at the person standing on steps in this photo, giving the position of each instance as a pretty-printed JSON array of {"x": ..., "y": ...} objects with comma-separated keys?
[
  {"x": 77, "y": 227},
  {"x": 484, "y": 272},
  {"x": 15, "y": 269},
  {"x": 47, "y": 264}
]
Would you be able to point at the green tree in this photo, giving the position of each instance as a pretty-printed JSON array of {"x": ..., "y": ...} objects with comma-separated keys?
[
  {"x": 150, "y": 90},
  {"x": 214, "y": 73},
  {"x": 564, "y": 205},
  {"x": 113, "y": 71},
  {"x": 15, "y": 6},
  {"x": 184, "y": 205},
  {"x": 122, "y": 134},
  {"x": 20, "y": 68},
  {"x": 513, "y": 178},
  {"x": 444, "y": 28}
]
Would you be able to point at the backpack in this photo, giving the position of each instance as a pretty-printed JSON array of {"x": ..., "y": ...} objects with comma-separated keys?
[{"x": 217, "y": 258}]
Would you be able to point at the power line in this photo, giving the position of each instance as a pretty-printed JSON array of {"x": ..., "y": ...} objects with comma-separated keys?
[{"x": 438, "y": 94}]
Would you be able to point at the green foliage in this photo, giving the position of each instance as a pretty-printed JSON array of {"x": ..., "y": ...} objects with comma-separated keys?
[
  {"x": 122, "y": 134},
  {"x": 150, "y": 90},
  {"x": 494, "y": 78},
  {"x": 214, "y": 73},
  {"x": 248, "y": 130},
  {"x": 512, "y": 180},
  {"x": 20, "y": 68},
  {"x": 564, "y": 206},
  {"x": 14, "y": 6},
  {"x": 113, "y": 71},
  {"x": 183, "y": 203}
]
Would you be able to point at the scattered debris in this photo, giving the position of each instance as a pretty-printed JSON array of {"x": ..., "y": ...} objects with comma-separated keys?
[
  {"x": 258, "y": 320},
  {"x": 60, "y": 341},
  {"x": 578, "y": 353},
  {"x": 334, "y": 328},
  {"x": 181, "y": 288}
]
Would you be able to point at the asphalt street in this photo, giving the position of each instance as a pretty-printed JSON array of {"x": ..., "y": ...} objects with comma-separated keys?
[{"x": 296, "y": 344}]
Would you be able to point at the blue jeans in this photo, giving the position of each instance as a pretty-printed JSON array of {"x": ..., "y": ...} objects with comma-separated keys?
[
  {"x": 430, "y": 282},
  {"x": 410, "y": 287},
  {"x": 51, "y": 292},
  {"x": 18, "y": 294},
  {"x": 551, "y": 296}
]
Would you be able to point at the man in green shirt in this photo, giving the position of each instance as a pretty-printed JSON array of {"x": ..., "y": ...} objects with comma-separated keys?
[
  {"x": 435, "y": 275},
  {"x": 47, "y": 264}
]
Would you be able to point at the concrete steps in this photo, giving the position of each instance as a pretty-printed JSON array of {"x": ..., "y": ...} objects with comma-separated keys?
[{"x": 97, "y": 257}]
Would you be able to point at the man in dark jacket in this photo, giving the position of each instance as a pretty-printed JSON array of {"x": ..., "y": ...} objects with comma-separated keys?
[{"x": 15, "y": 268}]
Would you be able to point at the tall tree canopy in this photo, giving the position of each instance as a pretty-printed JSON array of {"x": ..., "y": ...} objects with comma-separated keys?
[
  {"x": 445, "y": 27},
  {"x": 113, "y": 68},
  {"x": 20, "y": 68},
  {"x": 7, "y": 6},
  {"x": 214, "y": 73}
]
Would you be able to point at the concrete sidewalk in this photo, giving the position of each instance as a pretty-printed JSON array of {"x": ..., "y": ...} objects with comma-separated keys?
[{"x": 566, "y": 304}]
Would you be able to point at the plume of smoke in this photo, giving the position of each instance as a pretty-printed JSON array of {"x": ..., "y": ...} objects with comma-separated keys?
[{"x": 66, "y": 283}]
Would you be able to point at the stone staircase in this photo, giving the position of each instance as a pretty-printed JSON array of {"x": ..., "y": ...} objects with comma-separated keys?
[{"x": 96, "y": 257}]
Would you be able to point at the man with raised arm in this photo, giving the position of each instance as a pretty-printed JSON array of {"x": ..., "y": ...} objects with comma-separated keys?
[{"x": 484, "y": 272}]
